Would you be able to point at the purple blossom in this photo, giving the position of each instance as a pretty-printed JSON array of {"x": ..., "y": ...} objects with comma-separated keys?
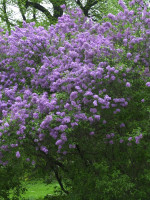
[
  {"x": 121, "y": 140},
  {"x": 112, "y": 134},
  {"x": 44, "y": 149},
  {"x": 91, "y": 133},
  {"x": 35, "y": 115},
  {"x": 90, "y": 119},
  {"x": 64, "y": 152},
  {"x": 93, "y": 110},
  {"x": 58, "y": 142},
  {"x": 122, "y": 125},
  {"x": 129, "y": 55},
  {"x": 111, "y": 16},
  {"x": 104, "y": 121},
  {"x": 148, "y": 84},
  {"x": 88, "y": 93},
  {"x": 130, "y": 138},
  {"x": 72, "y": 146},
  {"x": 6, "y": 124},
  {"x": 108, "y": 136},
  {"x": 73, "y": 96},
  {"x": 18, "y": 154},
  {"x": 33, "y": 162},
  {"x": 66, "y": 119},
  {"x": 63, "y": 127},
  {"x": 97, "y": 117},
  {"x": 128, "y": 84},
  {"x": 95, "y": 102},
  {"x": 111, "y": 142}
]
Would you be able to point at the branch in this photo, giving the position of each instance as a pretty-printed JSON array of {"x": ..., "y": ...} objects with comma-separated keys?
[
  {"x": 81, "y": 155},
  {"x": 6, "y": 16},
  {"x": 59, "y": 180},
  {"x": 21, "y": 11},
  {"x": 80, "y": 4},
  {"x": 58, "y": 11},
  {"x": 91, "y": 2},
  {"x": 88, "y": 6},
  {"x": 4, "y": 19},
  {"x": 42, "y": 9}
]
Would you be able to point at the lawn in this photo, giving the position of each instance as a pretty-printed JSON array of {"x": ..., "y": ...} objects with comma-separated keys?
[{"x": 37, "y": 190}]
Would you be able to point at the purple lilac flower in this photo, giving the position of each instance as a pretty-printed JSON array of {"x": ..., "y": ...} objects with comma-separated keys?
[
  {"x": 6, "y": 124},
  {"x": 130, "y": 138},
  {"x": 97, "y": 117},
  {"x": 72, "y": 146},
  {"x": 88, "y": 93},
  {"x": 129, "y": 55},
  {"x": 108, "y": 136},
  {"x": 148, "y": 84},
  {"x": 90, "y": 119},
  {"x": 73, "y": 96},
  {"x": 58, "y": 142},
  {"x": 93, "y": 110},
  {"x": 128, "y": 84},
  {"x": 44, "y": 149},
  {"x": 112, "y": 134},
  {"x": 63, "y": 127},
  {"x": 137, "y": 138},
  {"x": 121, "y": 140},
  {"x": 95, "y": 102},
  {"x": 111, "y": 142},
  {"x": 104, "y": 121},
  {"x": 35, "y": 115},
  {"x": 122, "y": 125},
  {"x": 18, "y": 154},
  {"x": 33, "y": 162},
  {"x": 92, "y": 133}
]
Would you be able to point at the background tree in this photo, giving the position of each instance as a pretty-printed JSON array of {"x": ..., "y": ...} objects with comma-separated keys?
[{"x": 46, "y": 12}]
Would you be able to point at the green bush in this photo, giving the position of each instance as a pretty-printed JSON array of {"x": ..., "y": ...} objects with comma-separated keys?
[{"x": 10, "y": 183}]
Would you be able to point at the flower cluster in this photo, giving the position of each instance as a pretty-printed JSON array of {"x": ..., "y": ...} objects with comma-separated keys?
[{"x": 52, "y": 82}]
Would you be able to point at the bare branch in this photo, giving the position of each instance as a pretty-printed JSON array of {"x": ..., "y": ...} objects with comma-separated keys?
[{"x": 42, "y": 9}]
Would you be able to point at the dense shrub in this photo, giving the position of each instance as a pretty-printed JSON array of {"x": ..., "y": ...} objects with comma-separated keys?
[
  {"x": 75, "y": 100},
  {"x": 11, "y": 182}
]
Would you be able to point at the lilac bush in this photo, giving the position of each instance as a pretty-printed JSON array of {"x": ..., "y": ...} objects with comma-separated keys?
[{"x": 78, "y": 81}]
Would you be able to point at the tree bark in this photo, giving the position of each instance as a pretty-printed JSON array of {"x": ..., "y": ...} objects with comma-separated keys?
[
  {"x": 42, "y": 9},
  {"x": 6, "y": 17}
]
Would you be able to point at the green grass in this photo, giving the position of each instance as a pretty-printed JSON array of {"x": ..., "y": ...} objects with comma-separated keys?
[{"x": 37, "y": 190}]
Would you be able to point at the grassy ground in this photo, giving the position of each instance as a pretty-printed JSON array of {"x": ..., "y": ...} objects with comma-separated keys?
[{"x": 37, "y": 190}]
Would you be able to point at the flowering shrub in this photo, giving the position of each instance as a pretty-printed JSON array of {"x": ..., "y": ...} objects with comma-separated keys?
[{"x": 74, "y": 89}]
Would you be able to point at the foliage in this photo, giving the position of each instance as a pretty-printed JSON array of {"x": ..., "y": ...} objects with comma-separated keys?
[
  {"x": 10, "y": 177},
  {"x": 75, "y": 101}
]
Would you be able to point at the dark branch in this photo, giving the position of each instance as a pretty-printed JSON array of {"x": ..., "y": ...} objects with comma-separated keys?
[
  {"x": 87, "y": 7},
  {"x": 3, "y": 18},
  {"x": 58, "y": 11},
  {"x": 59, "y": 180},
  {"x": 6, "y": 16},
  {"x": 21, "y": 10},
  {"x": 42, "y": 9},
  {"x": 80, "y": 4}
]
